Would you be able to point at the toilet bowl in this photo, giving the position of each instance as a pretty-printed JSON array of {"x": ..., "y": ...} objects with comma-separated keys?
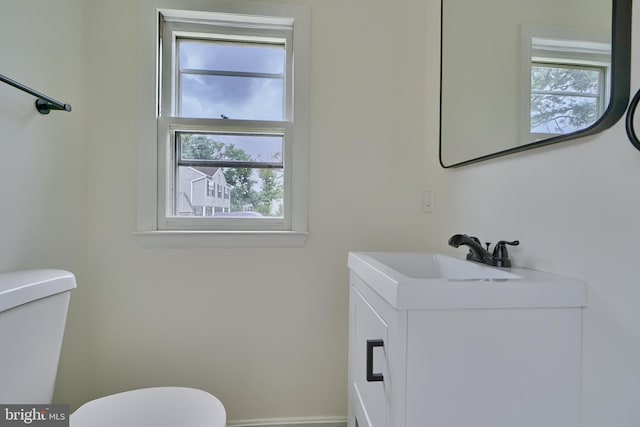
[
  {"x": 152, "y": 407},
  {"x": 33, "y": 311}
]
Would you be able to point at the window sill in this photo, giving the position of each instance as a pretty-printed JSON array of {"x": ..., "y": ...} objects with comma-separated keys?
[{"x": 221, "y": 239}]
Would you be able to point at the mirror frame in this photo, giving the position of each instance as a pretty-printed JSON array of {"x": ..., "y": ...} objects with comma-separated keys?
[{"x": 620, "y": 85}]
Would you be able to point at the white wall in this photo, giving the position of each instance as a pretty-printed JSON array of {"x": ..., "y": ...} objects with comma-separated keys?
[
  {"x": 574, "y": 208},
  {"x": 264, "y": 330},
  {"x": 497, "y": 105},
  {"x": 43, "y": 171}
]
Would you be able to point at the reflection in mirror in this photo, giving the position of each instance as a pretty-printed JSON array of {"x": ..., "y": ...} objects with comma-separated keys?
[
  {"x": 518, "y": 74},
  {"x": 567, "y": 80}
]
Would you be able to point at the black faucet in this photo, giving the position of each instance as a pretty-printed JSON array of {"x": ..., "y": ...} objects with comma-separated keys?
[{"x": 499, "y": 257}]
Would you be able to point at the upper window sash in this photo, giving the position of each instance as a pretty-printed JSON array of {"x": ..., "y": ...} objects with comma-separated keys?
[{"x": 254, "y": 30}]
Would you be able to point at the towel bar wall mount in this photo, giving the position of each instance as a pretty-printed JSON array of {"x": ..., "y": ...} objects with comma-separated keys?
[{"x": 44, "y": 103}]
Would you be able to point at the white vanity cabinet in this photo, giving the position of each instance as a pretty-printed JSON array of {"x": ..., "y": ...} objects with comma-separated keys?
[
  {"x": 462, "y": 367},
  {"x": 378, "y": 402}
]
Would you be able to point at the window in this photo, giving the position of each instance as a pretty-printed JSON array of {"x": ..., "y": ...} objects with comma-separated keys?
[
  {"x": 567, "y": 80},
  {"x": 231, "y": 121},
  {"x": 565, "y": 98},
  {"x": 566, "y": 95}
]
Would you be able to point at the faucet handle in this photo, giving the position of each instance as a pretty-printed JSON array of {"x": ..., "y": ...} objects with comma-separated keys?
[{"x": 500, "y": 253}]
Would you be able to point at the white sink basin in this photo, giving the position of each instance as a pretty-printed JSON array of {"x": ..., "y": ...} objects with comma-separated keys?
[
  {"x": 418, "y": 265},
  {"x": 422, "y": 280}
]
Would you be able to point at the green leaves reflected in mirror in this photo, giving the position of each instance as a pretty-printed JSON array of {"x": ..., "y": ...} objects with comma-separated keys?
[{"x": 570, "y": 80}]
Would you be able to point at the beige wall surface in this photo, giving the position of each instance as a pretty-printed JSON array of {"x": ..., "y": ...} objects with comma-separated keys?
[
  {"x": 43, "y": 165},
  {"x": 574, "y": 209},
  {"x": 266, "y": 330},
  {"x": 484, "y": 73}
]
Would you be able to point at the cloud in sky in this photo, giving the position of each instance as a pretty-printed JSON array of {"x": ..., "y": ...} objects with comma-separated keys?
[
  {"x": 228, "y": 56},
  {"x": 246, "y": 96},
  {"x": 233, "y": 97}
]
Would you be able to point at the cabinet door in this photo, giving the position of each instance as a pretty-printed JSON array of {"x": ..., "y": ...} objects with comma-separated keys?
[{"x": 368, "y": 363}]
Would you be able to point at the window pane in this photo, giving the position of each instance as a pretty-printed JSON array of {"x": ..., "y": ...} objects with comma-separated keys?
[
  {"x": 247, "y": 192},
  {"x": 238, "y": 192},
  {"x": 561, "y": 114},
  {"x": 230, "y": 147},
  {"x": 564, "y": 99},
  {"x": 241, "y": 98},
  {"x": 236, "y": 80},
  {"x": 561, "y": 79},
  {"x": 231, "y": 56}
]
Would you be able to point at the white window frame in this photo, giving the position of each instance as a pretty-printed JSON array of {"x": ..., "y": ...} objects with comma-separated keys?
[
  {"x": 602, "y": 70},
  {"x": 593, "y": 50},
  {"x": 154, "y": 226}
]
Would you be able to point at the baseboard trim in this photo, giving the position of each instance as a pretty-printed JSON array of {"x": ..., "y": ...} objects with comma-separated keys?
[{"x": 291, "y": 422}]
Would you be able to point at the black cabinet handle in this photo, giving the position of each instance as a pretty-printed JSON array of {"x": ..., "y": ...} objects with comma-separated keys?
[{"x": 371, "y": 344}]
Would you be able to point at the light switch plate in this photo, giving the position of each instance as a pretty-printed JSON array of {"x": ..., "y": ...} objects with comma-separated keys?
[{"x": 429, "y": 201}]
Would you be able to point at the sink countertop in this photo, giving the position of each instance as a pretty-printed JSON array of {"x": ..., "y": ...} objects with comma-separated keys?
[{"x": 422, "y": 280}]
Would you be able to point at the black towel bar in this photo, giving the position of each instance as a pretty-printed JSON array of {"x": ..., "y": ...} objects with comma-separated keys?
[{"x": 44, "y": 104}]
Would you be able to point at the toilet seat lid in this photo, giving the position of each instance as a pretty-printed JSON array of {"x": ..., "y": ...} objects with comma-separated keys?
[{"x": 152, "y": 407}]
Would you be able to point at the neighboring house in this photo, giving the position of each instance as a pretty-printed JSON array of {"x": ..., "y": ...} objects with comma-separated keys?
[{"x": 203, "y": 192}]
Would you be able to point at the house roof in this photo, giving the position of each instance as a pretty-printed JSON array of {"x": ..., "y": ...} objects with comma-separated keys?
[{"x": 206, "y": 170}]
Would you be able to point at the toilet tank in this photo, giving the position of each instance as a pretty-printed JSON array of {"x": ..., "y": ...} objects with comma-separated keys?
[{"x": 33, "y": 312}]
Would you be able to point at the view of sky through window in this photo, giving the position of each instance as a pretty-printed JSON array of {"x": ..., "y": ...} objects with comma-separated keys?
[
  {"x": 237, "y": 80},
  {"x": 225, "y": 79}
]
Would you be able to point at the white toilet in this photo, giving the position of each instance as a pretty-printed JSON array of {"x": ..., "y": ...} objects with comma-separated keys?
[{"x": 33, "y": 311}]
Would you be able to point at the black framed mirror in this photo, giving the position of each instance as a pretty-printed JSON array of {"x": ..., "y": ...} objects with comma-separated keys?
[{"x": 521, "y": 74}]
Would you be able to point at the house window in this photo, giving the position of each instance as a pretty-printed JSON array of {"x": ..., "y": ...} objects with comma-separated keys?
[
  {"x": 566, "y": 80},
  {"x": 233, "y": 107},
  {"x": 251, "y": 164},
  {"x": 565, "y": 97}
]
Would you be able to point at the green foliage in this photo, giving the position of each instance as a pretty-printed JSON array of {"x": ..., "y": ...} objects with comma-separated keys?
[
  {"x": 197, "y": 146},
  {"x": 271, "y": 190},
  {"x": 243, "y": 192},
  {"x": 562, "y": 98}
]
